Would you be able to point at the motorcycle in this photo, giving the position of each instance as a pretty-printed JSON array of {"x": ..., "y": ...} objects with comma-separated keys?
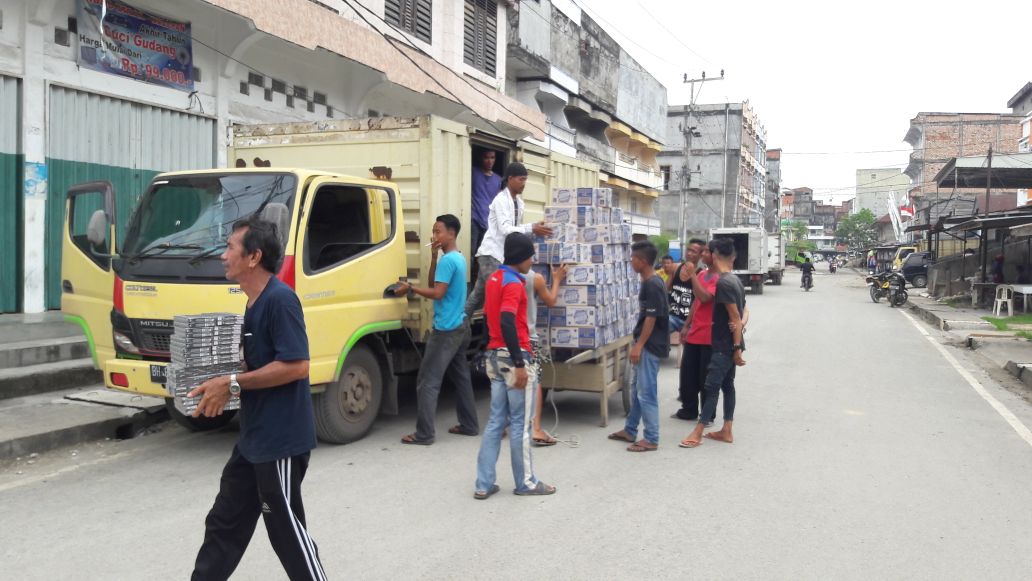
[
  {"x": 832, "y": 267},
  {"x": 897, "y": 289},
  {"x": 807, "y": 281},
  {"x": 878, "y": 284}
]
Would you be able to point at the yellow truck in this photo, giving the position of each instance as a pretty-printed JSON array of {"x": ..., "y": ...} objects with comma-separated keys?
[{"x": 346, "y": 239}]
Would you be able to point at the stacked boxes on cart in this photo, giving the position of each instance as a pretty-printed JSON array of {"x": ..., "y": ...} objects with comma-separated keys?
[
  {"x": 598, "y": 301},
  {"x": 203, "y": 347}
]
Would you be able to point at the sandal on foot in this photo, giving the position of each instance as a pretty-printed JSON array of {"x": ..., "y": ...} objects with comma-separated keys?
[
  {"x": 461, "y": 431},
  {"x": 485, "y": 494},
  {"x": 411, "y": 439},
  {"x": 544, "y": 442},
  {"x": 541, "y": 489},
  {"x": 686, "y": 443},
  {"x": 621, "y": 436},
  {"x": 643, "y": 446}
]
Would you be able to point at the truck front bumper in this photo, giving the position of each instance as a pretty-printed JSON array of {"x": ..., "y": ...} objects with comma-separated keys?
[{"x": 133, "y": 376}]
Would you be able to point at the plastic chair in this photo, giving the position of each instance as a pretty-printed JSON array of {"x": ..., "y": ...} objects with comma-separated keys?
[{"x": 1004, "y": 298}]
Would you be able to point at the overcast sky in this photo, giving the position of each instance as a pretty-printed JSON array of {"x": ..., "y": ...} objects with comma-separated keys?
[{"x": 827, "y": 76}]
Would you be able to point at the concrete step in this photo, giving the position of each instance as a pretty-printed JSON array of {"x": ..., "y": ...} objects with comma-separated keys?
[
  {"x": 44, "y": 377},
  {"x": 38, "y": 423},
  {"x": 25, "y": 353},
  {"x": 34, "y": 327}
]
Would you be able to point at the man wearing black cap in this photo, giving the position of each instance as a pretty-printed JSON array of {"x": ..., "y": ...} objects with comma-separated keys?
[
  {"x": 504, "y": 218},
  {"x": 509, "y": 352}
]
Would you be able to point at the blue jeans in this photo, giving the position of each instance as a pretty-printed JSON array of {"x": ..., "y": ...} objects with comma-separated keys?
[
  {"x": 676, "y": 323},
  {"x": 513, "y": 408},
  {"x": 719, "y": 378},
  {"x": 644, "y": 402}
]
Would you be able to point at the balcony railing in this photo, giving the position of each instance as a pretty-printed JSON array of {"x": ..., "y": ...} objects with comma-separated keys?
[{"x": 637, "y": 171}]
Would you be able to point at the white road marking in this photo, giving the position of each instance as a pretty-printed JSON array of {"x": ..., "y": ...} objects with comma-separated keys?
[{"x": 1001, "y": 409}]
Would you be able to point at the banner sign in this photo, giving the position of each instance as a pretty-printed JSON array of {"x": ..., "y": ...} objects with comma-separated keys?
[{"x": 135, "y": 44}]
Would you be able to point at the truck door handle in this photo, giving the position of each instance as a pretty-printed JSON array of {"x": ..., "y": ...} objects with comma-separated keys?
[{"x": 66, "y": 286}]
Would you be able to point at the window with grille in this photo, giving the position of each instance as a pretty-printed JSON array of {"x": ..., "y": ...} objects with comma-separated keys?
[
  {"x": 412, "y": 16},
  {"x": 481, "y": 35}
]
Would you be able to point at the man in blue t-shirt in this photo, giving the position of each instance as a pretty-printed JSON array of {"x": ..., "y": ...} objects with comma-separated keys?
[
  {"x": 277, "y": 425},
  {"x": 445, "y": 351},
  {"x": 486, "y": 185}
]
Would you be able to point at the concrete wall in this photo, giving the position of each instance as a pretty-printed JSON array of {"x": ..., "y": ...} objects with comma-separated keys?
[
  {"x": 641, "y": 99},
  {"x": 599, "y": 65},
  {"x": 873, "y": 186}
]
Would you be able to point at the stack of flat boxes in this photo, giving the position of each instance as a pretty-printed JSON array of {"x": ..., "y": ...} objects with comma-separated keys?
[
  {"x": 598, "y": 301},
  {"x": 202, "y": 347}
]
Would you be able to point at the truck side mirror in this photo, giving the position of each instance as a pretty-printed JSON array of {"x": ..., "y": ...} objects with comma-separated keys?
[{"x": 96, "y": 230}]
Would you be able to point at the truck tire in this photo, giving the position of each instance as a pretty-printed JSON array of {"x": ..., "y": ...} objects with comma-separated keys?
[
  {"x": 757, "y": 287},
  {"x": 345, "y": 411},
  {"x": 777, "y": 279},
  {"x": 920, "y": 281},
  {"x": 198, "y": 424},
  {"x": 625, "y": 390}
]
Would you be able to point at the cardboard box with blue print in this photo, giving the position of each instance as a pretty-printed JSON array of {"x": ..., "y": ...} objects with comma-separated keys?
[
  {"x": 575, "y": 337},
  {"x": 586, "y": 296},
  {"x": 580, "y": 215},
  {"x": 581, "y": 274},
  {"x": 574, "y": 316}
]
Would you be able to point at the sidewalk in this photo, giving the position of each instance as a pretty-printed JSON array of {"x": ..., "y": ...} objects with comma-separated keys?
[{"x": 966, "y": 328}]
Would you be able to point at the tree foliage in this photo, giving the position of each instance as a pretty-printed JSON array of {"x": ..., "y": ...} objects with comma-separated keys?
[
  {"x": 857, "y": 230},
  {"x": 797, "y": 230}
]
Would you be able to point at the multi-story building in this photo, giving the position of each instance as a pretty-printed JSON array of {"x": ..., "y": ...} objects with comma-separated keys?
[
  {"x": 875, "y": 187},
  {"x": 599, "y": 104},
  {"x": 723, "y": 179},
  {"x": 939, "y": 137},
  {"x": 825, "y": 215},
  {"x": 787, "y": 202},
  {"x": 772, "y": 203},
  {"x": 76, "y": 104},
  {"x": 1021, "y": 104},
  {"x": 802, "y": 205}
]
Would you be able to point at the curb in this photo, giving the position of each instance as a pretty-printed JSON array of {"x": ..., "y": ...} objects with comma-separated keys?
[
  {"x": 1021, "y": 371},
  {"x": 121, "y": 428}
]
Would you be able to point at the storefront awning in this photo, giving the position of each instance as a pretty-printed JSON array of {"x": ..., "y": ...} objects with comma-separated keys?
[
  {"x": 992, "y": 222},
  {"x": 1010, "y": 171}
]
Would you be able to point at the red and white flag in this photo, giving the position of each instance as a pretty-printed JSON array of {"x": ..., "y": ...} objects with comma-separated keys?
[{"x": 907, "y": 209}]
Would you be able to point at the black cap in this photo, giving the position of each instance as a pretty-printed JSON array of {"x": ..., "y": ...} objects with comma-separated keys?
[
  {"x": 518, "y": 247},
  {"x": 515, "y": 169}
]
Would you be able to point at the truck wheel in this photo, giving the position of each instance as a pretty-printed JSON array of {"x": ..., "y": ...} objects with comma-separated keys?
[
  {"x": 346, "y": 410},
  {"x": 777, "y": 280},
  {"x": 920, "y": 281},
  {"x": 757, "y": 288},
  {"x": 198, "y": 424},
  {"x": 625, "y": 390}
]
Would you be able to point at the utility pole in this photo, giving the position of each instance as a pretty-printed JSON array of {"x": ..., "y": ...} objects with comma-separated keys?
[
  {"x": 689, "y": 130},
  {"x": 985, "y": 212}
]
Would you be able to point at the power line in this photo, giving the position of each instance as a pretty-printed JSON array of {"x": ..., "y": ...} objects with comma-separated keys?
[{"x": 671, "y": 33}]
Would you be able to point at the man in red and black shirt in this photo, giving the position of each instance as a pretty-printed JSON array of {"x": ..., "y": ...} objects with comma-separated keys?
[{"x": 509, "y": 352}]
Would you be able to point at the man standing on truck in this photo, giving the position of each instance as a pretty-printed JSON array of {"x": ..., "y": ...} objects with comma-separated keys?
[
  {"x": 445, "y": 351},
  {"x": 504, "y": 218},
  {"x": 486, "y": 185},
  {"x": 509, "y": 355},
  {"x": 277, "y": 426}
]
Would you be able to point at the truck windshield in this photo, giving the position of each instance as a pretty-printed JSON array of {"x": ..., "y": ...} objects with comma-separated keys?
[{"x": 181, "y": 216}]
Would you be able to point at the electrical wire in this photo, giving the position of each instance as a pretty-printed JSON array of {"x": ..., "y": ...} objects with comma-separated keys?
[{"x": 670, "y": 32}]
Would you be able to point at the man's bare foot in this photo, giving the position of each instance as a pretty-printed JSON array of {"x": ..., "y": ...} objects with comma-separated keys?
[
  {"x": 721, "y": 436},
  {"x": 694, "y": 439},
  {"x": 621, "y": 436}
]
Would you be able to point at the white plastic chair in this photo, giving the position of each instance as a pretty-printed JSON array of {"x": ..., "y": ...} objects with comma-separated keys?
[{"x": 1004, "y": 298}]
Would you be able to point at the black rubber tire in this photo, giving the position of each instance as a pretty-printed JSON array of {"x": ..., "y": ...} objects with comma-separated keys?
[
  {"x": 901, "y": 299},
  {"x": 777, "y": 280},
  {"x": 625, "y": 391},
  {"x": 757, "y": 287},
  {"x": 345, "y": 411},
  {"x": 874, "y": 294},
  {"x": 919, "y": 281},
  {"x": 198, "y": 424}
]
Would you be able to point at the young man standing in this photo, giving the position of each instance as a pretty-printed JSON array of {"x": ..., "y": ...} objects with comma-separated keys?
[
  {"x": 277, "y": 426},
  {"x": 680, "y": 287},
  {"x": 509, "y": 353},
  {"x": 537, "y": 288},
  {"x": 696, "y": 340},
  {"x": 504, "y": 218},
  {"x": 667, "y": 266},
  {"x": 727, "y": 345},
  {"x": 445, "y": 351},
  {"x": 486, "y": 185},
  {"x": 652, "y": 343}
]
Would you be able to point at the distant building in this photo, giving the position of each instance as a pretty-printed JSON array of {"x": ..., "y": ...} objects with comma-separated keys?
[
  {"x": 772, "y": 211},
  {"x": 874, "y": 187},
  {"x": 825, "y": 215},
  {"x": 724, "y": 181},
  {"x": 802, "y": 205},
  {"x": 787, "y": 199},
  {"x": 1021, "y": 104}
]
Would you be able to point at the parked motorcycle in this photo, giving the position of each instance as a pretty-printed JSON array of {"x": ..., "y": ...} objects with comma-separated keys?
[
  {"x": 878, "y": 284},
  {"x": 897, "y": 289}
]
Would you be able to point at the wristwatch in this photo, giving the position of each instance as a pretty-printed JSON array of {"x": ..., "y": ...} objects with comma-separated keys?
[
  {"x": 737, "y": 348},
  {"x": 234, "y": 385}
]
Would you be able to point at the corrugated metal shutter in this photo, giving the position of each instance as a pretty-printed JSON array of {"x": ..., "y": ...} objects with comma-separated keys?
[
  {"x": 480, "y": 35},
  {"x": 95, "y": 137},
  {"x": 10, "y": 195},
  {"x": 413, "y": 16}
]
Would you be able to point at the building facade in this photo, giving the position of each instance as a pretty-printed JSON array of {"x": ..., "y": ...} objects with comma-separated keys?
[
  {"x": 723, "y": 179},
  {"x": 802, "y": 205},
  {"x": 599, "y": 104},
  {"x": 876, "y": 186},
  {"x": 772, "y": 203}
]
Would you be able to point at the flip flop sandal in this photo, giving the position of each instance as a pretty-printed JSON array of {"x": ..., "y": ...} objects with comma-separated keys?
[
  {"x": 619, "y": 437},
  {"x": 485, "y": 494},
  {"x": 541, "y": 489},
  {"x": 638, "y": 447},
  {"x": 686, "y": 444},
  {"x": 543, "y": 442},
  {"x": 411, "y": 440},
  {"x": 459, "y": 430}
]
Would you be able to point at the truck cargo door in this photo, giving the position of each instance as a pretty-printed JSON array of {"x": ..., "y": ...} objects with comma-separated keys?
[
  {"x": 350, "y": 248},
  {"x": 87, "y": 281}
]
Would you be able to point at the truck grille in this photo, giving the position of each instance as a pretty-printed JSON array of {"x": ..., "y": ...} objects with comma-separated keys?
[{"x": 153, "y": 340}]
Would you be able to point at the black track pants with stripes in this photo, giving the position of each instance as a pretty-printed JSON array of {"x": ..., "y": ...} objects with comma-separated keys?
[{"x": 247, "y": 490}]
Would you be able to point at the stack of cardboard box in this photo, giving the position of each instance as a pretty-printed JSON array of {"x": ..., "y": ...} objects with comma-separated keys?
[
  {"x": 203, "y": 347},
  {"x": 598, "y": 301}
]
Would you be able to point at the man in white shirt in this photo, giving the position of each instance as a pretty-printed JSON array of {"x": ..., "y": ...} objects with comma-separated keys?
[{"x": 504, "y": 218}]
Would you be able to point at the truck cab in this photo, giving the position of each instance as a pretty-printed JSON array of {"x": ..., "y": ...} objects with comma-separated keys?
[{"x": 343, "y": 245}]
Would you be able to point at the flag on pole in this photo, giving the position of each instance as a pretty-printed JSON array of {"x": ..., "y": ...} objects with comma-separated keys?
[{"x": 906, "y": 210}]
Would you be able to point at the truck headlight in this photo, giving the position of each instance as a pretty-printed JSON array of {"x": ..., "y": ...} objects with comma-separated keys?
[{"x": 125, "y": 343}]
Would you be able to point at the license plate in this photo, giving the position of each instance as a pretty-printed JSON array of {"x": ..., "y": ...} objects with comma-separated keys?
[{"x": 158, "y": 374}]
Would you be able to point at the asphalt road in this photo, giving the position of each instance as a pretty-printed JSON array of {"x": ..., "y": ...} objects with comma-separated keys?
[{"x": 861, "y": 453}]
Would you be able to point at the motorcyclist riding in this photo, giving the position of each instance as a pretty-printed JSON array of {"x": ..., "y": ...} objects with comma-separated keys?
[{"x": 807, "y": 268}]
